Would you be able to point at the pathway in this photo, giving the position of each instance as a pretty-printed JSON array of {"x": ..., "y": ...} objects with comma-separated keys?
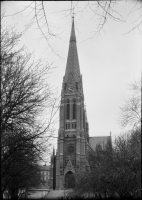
[{"x": 56, "y": 194}]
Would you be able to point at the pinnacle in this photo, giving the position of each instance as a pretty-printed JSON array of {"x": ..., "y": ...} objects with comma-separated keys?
[{"x": 72, "y": 37}]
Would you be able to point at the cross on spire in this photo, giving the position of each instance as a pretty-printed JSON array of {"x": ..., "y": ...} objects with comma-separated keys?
[{"x": 73, "y": 13}]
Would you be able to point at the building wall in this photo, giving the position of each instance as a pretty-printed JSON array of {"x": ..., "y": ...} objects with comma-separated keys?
[
  {"x": 73, "y": 133},
  {"x": 45, "y": 176},
  {"x": 73, "y": 136}
]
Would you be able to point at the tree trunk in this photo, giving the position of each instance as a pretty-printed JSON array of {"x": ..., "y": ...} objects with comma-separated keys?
[
  {"x": 1, "y": 195},
  {"x": 14, "y": 193}
]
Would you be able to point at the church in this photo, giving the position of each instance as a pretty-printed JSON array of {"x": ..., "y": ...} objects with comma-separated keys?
[{"x": 74, "y": 144}]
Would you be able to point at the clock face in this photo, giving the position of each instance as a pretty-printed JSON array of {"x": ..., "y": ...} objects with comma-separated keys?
[{"x": 70, "y": 89}]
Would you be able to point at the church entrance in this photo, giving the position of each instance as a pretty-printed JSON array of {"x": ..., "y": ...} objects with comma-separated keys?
[{"x": 69, "y": 180}]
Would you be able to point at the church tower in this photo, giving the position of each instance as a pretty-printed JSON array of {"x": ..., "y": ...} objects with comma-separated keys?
[{"x": 73, "y": 136}]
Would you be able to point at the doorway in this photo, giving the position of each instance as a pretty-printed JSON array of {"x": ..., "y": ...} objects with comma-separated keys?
[{"x": 69, "y": 180}]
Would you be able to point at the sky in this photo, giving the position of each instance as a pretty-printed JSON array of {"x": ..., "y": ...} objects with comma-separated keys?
[{"x": 109, "y": 61}]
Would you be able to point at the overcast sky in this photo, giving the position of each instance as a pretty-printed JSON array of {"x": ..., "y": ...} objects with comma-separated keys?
[{"x": 109, "y": 62}]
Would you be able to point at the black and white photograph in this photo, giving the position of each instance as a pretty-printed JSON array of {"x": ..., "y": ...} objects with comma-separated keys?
[{"x": 71, "y": 99}]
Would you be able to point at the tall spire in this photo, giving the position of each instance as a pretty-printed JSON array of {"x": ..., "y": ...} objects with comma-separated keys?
[
  {"x": 72, "y": 66},
  {"x": 72, "y": 37}
]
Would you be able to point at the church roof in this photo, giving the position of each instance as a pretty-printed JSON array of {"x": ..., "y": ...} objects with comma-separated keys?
[
  {"x": 102, "y": 140},
  {"x": 72, "y": 66}
]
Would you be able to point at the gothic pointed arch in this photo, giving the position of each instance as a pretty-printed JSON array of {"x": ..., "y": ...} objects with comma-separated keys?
[
  {"x": 69, "y": 167},
  {"x": 69, "y": 180}
]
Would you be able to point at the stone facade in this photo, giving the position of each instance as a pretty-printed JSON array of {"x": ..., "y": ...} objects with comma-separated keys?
[
  {"x": 73, "y": 135},
  {"x": 74, "y": 144}
]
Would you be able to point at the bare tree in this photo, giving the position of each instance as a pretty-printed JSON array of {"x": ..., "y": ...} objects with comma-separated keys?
[
  {"x": 102, "y": 12},
  {"x": 127, "y": 178},
  {"x": 114, "y": 171},
  {"x": 25, "y": 94},
  {"x": 131, "y": 111}
]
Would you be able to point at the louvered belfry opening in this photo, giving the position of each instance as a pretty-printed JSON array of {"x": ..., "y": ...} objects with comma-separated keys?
[
  {"x": 74, "y": 109},
  {"x": 68, "y": 110}
]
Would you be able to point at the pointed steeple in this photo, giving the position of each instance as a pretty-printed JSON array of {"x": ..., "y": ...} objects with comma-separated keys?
[
  {"x": 72, "y": 37},
  {"x": 72, "y": 66}
]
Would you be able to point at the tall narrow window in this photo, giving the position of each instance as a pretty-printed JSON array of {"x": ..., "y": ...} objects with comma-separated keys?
[
  {"x": 68, "y": 110},
  {"x": 72, "y": 125},
  {"x": 68, "y": 126},
  {"x": 74, "y": 109}
]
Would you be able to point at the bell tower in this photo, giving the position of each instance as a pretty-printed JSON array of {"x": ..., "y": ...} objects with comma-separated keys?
[{"x": 73, "y": 135}]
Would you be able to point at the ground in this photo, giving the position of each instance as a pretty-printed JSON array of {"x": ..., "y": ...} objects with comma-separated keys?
[
  {"x": 53, "y": 194},
  {"x": 36, "y": 194}
]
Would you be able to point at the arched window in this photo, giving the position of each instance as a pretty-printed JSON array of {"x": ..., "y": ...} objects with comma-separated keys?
[
  {"x": 68, "y": 110},
  {"x": 74, "y": 109}
]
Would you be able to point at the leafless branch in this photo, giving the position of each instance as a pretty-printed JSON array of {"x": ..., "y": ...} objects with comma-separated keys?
[
  {"x": 131, "y": 111},
  {"x": 25, "y": 92}
]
